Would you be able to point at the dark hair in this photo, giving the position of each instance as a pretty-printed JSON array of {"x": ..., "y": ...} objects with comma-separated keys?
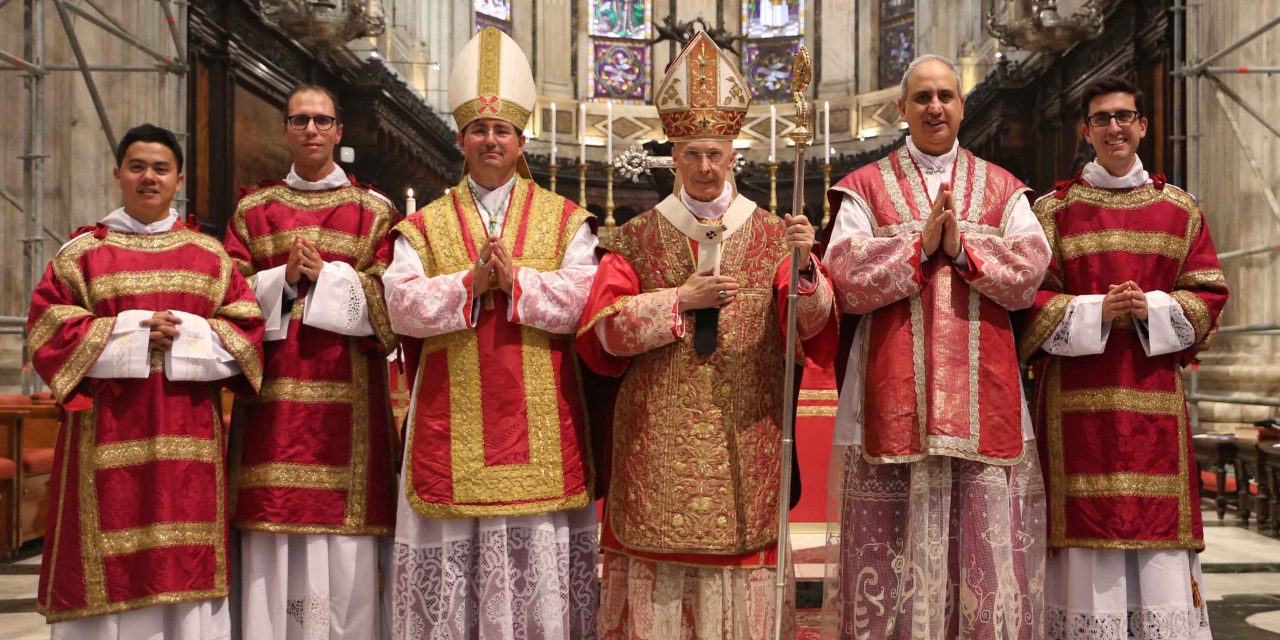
[
  {"x": 149, "y": 133},
  {"x": 1109, "y": 84},
  {"x": 304, "y": 88}
]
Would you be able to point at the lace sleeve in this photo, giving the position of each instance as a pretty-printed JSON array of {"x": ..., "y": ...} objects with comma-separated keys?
[{"x": 1082, "y": 331}]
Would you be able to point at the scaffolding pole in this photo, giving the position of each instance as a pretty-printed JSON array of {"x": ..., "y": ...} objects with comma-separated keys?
[
  {"x": 1193, "y": 71},
  {"x": 33, "y": 168}
]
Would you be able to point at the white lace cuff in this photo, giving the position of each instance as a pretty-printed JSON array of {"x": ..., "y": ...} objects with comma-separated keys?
[
  {"x": 270, "y": 288},
  {"x": 127, "y": 354},
  {"x": 1166, "y": 329},
  {"x": 336, "y": 303},
  {"x": 1082, "y": 331},
  {"x": 198, "y": 354}
]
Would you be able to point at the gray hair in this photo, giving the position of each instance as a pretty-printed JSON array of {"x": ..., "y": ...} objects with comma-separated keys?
[{"x": 906, "y": 75}]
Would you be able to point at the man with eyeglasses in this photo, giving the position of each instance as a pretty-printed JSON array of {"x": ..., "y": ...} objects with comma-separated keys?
[
  {"x": 495, "y": 520},
  {"x": 316, "y": 476},
  {"x": 689, "y": 309},
  {"x": 1132, "y": 296},
  {"x": 941, "y": 501}
]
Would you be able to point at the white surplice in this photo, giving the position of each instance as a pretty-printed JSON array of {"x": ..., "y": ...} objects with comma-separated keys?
[
  {"x": 492, "y": 578},
  {"x": 196, "y": 355},
  {"x": 1105, "y": 594},
  {"x": 313, "y": 586}
]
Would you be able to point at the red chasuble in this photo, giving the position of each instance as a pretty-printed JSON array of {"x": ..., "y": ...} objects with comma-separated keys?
[
  {"x": 138, "y": 509},
  {"x": 319, "y": 442},
  {"x": 499, "y": 424},
  {"x": 697, "y": 440},
  {"x": 1113, "y": 426},
  {"x": 939, "y": 363}
]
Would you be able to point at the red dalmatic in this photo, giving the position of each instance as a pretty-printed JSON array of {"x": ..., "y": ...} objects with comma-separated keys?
[
  {"x": 319, "y": 442},
  {"x": 1120, "y": 469},
  {"x": 938, "y": 355},
  {"x": 138, "y": 509}
]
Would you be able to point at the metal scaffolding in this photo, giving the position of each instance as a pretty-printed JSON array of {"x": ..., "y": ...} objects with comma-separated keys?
[
  {"x": 1192, "y": 76},
  {"x": 32, "y": 65}
]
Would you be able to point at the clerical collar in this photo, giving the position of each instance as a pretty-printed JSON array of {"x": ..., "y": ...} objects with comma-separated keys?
[
  {"x": 336, "y": 178},
  {"x": 121, "y": 221},
  {"x": 713, "y": 210},
  {"x": 1098, "y": 176},
  {"x": 933, "y": 164}
]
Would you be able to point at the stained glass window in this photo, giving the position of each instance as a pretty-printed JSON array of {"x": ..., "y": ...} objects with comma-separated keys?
[
  {"x": 897, "y": 40},
  {"x": 621, "y": 70},
  {"x": 768, "y": 67},
  {"x": 493, "y": 13},
  {"x": 619, "y": 54},
  {"x": 772, "y": 18},
  {"x": 774, "y": 31}
]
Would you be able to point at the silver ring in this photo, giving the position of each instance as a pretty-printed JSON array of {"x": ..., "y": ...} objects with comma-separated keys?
[
  {"x": 722, "y": 295},
  {"x": 481, "y": 262}
]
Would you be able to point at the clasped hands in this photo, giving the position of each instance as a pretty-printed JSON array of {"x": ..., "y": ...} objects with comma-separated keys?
[
  {"x": 703, "y": 290},
  {"x": 304, "y": 260},
  {"x": 493, "y": 259},
  {"x": 942, "y": 228},
  {"x": 1126, "y": 298}
]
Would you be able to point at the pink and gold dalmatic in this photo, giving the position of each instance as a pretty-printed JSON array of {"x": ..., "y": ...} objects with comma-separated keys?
[
  {"x": 138, "y": 513},
  {"x": 319, "y": 443},
  {"x": 499, "y": 424},
  {"x": 1113, "y": 428},
  {"x": 939, "y": 364}
]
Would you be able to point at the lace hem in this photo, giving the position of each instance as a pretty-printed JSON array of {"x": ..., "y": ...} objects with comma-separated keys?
[
  {"x": 1139, "y": 624},
  {"x": 518, "y": 582}
]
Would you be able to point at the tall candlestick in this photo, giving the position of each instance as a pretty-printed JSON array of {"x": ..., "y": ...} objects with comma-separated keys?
[
  {"x": 582, "y": 132},
  {"x": 410, "y": 205},
  {"x": 553, "y": 134},
  {"x": 826, "y": 128},
  {"x": 608, "y": 146},
  {"x": 773, "y": 133}
]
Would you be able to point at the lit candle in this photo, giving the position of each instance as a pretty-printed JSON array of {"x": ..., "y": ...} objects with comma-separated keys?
[
  {"x": 608, "y": 147},
  {"x": 826, "y": 127},
  {"x": 553, "y": 133},
  {"x": 582, "y": 132},
  {"x": 409, "y": 204},
  {"x": 773, "y": 133}
]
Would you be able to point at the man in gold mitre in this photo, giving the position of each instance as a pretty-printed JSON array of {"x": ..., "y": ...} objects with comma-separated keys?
[
  {"x": 687, "y": 308},
  {"x": 495, "y": 524}
]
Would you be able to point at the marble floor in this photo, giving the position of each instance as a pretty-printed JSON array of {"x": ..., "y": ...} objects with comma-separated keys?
[{"x": 1241, "y": 582}]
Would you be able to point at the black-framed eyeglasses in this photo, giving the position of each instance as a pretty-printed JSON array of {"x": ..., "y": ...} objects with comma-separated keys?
[
  {"x": 1103, "y": 119},
  {"x": 300, "y": 122}
]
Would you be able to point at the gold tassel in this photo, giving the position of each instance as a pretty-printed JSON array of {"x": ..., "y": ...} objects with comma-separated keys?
[{"x": 1195, "y": 593}]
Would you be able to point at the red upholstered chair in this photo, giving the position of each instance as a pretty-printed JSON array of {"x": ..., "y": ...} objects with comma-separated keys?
[{"x": 10, "y": 480}]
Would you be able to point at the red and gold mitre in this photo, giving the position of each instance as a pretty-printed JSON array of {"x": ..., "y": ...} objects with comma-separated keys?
[
  {"x": 702, "y": 96},
  {"x": 492, "y": 79}
]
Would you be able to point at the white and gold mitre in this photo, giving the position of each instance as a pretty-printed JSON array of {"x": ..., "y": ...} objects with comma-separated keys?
[
  {"x": 702, "y": 97},
  {"x": 492, "y": 79}
]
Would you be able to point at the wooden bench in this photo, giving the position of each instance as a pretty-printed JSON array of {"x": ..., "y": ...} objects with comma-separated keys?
[
  {"x": 31, "y": 434},
  {"x": 1216, "y": 452}
]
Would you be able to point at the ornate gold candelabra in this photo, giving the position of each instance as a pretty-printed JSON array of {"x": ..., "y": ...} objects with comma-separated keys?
[
  {"x": 773, "y": 188},
  {"x": 554, "y": 170},
  {"x": 582, "y": 185},
  {"x": 826, "y": 186}
]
